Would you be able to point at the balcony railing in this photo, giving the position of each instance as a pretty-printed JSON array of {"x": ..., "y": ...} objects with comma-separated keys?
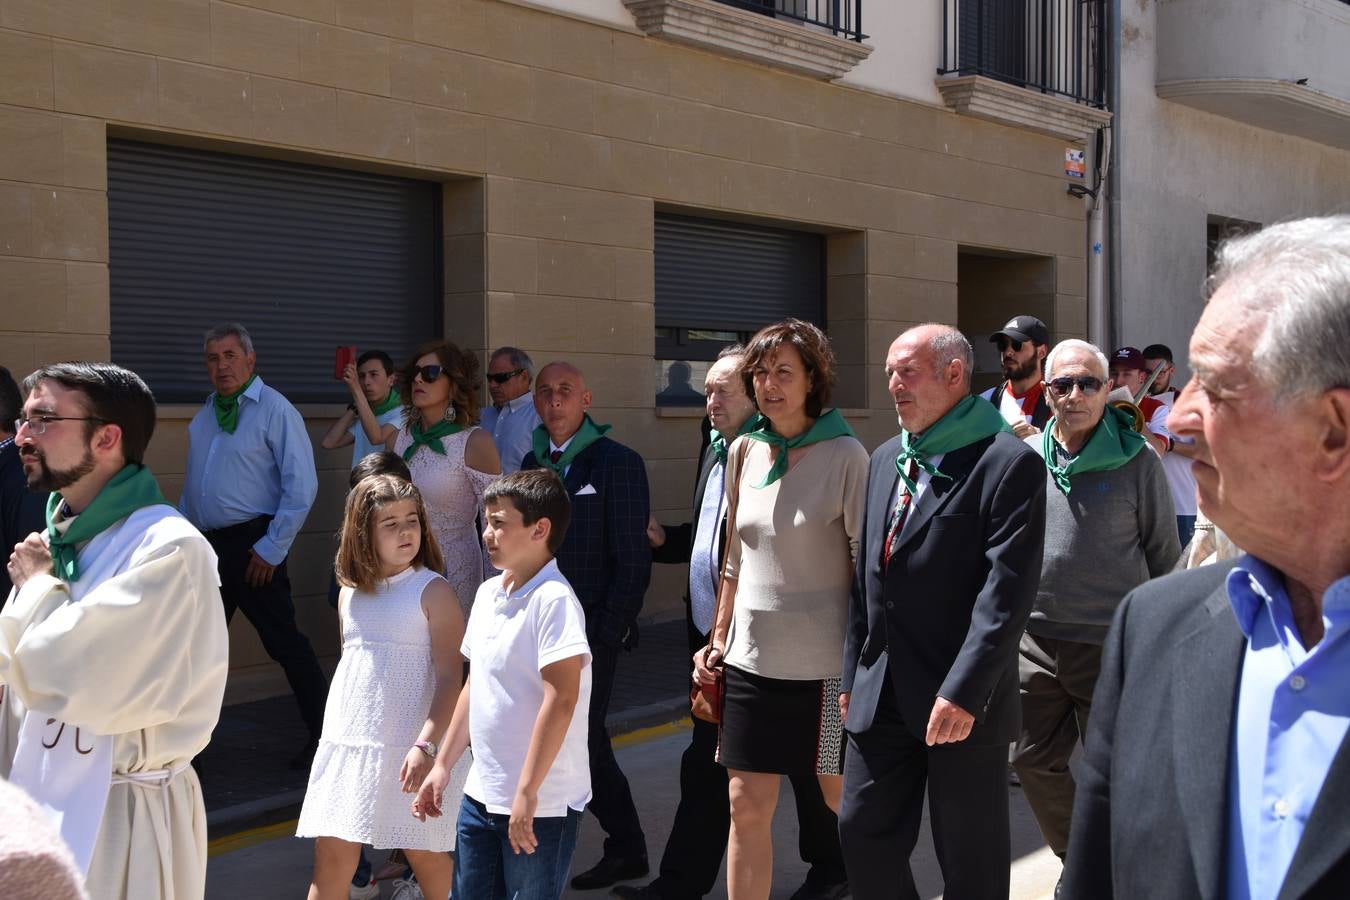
[
  {"x": 1050, "y": 46},
  {"x": 842, "y": 18}
]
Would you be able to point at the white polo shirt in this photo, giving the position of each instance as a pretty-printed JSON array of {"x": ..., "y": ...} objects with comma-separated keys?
[{"x": 509, "y": 639}]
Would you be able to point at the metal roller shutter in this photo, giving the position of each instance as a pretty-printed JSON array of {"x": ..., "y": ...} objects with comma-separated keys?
[
  {"x": 730, "y": 276},
  {"x": 307, "y": 258}
]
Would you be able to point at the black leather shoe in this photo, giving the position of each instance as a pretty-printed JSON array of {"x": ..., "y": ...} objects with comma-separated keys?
[
  {"x": 609, "y": 870},
  {"x": 811, "y": 891},
  {"x": 302, "y": 759}
]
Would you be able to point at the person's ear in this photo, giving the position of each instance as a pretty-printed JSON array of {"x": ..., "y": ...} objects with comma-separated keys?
[
  {"x": 1332, "y": 460},
  {"x": 107, "y": 437},
  {"x": 542, "y": 527}
]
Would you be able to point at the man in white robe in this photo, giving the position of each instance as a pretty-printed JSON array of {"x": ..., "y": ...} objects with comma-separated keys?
[{"x": 114, "y": 639}]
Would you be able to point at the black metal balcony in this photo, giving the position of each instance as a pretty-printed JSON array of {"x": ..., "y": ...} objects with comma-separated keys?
[
  {"x": 1050, "y": 46},
  {"x": 842, "y": 18}
]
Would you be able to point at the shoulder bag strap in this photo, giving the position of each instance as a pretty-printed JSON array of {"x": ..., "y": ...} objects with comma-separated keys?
[{"x": 730, "y": 527}]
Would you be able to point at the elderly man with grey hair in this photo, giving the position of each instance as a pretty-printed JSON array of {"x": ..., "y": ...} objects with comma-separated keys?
[
  {"x": 512, "y": 418},
  {"x": 1109, "y": 527},
  {"x": 250, "y": 484},
  {"x": 1218, "y": 762}
]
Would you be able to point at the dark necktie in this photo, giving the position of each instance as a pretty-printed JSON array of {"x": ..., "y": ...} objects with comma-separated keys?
[
  {"x": 554, "y": 456},
  {"x": 897, "y": 519}
]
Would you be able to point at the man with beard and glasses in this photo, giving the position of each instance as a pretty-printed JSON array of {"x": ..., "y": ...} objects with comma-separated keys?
[
  {"x": 1022, "y": 345},
  {"x": 22, "y": 511},
  {"x": 114, "y": 643}
]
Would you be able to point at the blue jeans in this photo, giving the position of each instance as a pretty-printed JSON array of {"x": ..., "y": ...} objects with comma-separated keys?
[
  {"x": 1185, "y": 529},
  {"x": 488, "y": 869}
]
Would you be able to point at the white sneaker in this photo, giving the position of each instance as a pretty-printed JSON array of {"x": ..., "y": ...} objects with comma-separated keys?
[
  {"x": 405, "y": 889},
  {"x": 371, "y": 891}
]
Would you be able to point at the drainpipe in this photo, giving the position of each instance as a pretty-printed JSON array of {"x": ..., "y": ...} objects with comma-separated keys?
[
  {"x": 1114, "y": 301},
  {"x": 1099, "y": 305}
]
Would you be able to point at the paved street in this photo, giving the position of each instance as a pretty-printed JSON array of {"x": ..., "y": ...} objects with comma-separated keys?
[{"x": 278, "y": 867}]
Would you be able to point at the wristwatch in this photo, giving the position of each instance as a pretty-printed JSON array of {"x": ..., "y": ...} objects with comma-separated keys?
[{"x": 427, "y": 747}]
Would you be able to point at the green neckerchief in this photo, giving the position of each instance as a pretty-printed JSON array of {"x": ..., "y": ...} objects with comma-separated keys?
[
  {"x": 227, "y": 407},
  {"x": 971, "y": 420},
  {"x": 129, "y": 490},
  {"x": 393, "y": 401},
  {"x": 829, "y": 425},
  {"x": 719, "y": 443},
  {"x": 587, "y": 434},
  {"x": 1113, "y": 443},
  {"x": 429, "y": 438}
]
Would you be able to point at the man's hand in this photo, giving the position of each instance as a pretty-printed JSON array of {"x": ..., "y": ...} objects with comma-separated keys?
[
  {"x": 259, "y": 571},
  {"x": 520, "y": 829},
  {"x": 948, "y": 723},
  {"x": 1024, "y": 430},
  {"x": 350, "y": 378},
  {"x": 31, "y": 557},
  {"x": 416, "y": 766},
  {"x": 431, "y": 794},
  {"x": 843, "y": 708},
  {"x": 656, "y": 535}
]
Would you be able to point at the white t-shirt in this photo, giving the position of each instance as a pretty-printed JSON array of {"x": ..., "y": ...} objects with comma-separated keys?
[
  {"x": 1180, "y": 477},
  {"x": 362, "y": 446},
  {"x": 509, "y": 639}
]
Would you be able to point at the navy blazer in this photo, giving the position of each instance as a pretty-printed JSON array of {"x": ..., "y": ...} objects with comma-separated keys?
[
  {"x": 946, "y": 617},
  {"x": 605, "y": 555},
  {"x": 22, "y": 511},
  {"x": 1150, "y": 816}
]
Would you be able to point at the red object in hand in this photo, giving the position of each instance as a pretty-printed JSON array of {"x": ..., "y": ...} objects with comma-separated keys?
[{"x": 346, "y": 356}]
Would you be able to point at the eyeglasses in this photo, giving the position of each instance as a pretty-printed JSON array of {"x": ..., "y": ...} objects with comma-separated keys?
[
  {"x": 38, "y": 424},
  {"x": 503, "y": 377},
  {"x": 1003, "y": 343},
  {"x": 429, "y": 373},
  {"x": 1063, "y": 387}
]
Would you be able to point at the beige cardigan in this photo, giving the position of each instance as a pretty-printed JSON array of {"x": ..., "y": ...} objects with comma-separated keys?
[{"x": 792, "y": 554}]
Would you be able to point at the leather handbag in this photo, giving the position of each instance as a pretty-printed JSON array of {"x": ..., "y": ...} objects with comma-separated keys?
[{"x": 705, "y": 700}]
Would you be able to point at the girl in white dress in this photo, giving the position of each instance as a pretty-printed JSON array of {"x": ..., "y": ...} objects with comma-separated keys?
[{"x": 394, "y": 690}]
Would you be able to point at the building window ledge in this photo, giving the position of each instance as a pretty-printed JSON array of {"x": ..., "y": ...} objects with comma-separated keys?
[
  {"x": 1008, "y": 104},
  {"x": 716, "y": 26}
]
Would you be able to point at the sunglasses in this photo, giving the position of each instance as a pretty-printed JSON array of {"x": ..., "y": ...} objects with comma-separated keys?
[
  {"x": 1063, "y": 387},
  {"x": 503, "y": 377},
  {"x": 428, "y": 373},
  {"x": 1003, "y": 344}
]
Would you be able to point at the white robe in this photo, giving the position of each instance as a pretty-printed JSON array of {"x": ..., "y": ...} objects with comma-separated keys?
[{"x": 137, "y": 649}]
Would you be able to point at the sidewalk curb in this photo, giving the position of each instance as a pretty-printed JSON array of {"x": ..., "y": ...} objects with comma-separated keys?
[{"x": 229, "y": 820}]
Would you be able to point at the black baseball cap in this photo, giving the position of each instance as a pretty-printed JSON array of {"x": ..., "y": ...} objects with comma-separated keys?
[{"x": 1023, "y": 328}]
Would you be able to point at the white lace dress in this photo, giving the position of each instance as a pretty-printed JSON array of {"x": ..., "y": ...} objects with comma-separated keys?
[
  {"x": 377, "y": 705},
  {"x": 453, "y": 492}
]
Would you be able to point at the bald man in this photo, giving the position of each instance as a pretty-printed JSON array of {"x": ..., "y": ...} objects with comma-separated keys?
[
  {"x": 947, "y": 575},
  {"x": 606, "y": 558}
]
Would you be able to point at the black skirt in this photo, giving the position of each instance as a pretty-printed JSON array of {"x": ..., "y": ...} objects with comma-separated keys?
[{"x": 783, "y": 727}]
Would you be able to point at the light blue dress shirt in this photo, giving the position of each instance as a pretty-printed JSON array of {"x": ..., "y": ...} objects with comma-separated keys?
[
  {"x": 512, "y": 428},
  {"x": 1293, "y": 709},
  {"x": 266, "y": 468}
]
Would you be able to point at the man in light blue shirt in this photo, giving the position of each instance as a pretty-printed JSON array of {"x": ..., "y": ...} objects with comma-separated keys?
[
  {"x": 512, "y": 417},
  {"x": 250, "y": 484},
  {"x": 1219, "y": 763}
]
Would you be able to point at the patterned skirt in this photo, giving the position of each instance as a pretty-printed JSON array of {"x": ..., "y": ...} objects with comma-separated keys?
[{"x": 783, "y": 727}]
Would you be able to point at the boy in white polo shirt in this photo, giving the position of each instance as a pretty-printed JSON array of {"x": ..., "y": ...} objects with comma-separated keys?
[{"x": 523, "y": 708}]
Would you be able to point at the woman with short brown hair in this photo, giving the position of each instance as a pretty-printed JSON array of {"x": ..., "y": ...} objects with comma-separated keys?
[{"x": 799, "y": 485}]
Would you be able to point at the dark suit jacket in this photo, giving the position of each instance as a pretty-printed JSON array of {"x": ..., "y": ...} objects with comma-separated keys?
[
  {"x": 22, "y": 511},
  {"x": 605, "y": 555},
  {"x": 1158, "y": 745},
  {"x": 946, "y": 617}
]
